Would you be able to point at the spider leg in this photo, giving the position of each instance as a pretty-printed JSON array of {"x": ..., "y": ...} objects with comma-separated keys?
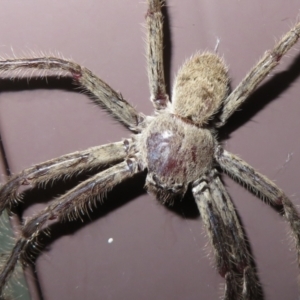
[
  {"x": 102, "y": 94},
  {"x": 266, "y": 64},
  {"x": 154, "y": 21},
  {"x": 218, "y": 235},
  {"x": 241, "y": 257},
  {"x": 239, "y": 169},
  {"x": 63, "y": 166},
  {"x": 69, "y": 206}
]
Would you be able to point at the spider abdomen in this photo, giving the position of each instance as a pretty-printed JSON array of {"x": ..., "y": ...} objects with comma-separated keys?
[
  {"x": 175, "y": 153},
  {"x": 200, "y": 87}
]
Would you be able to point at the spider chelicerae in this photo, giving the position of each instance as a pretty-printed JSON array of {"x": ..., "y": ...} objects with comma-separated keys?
[{"x": 174, "y": 124}]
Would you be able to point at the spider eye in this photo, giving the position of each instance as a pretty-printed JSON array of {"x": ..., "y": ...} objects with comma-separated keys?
[
  {"x": 155, "y": 180},
  {"x": 165, "y": 192}
]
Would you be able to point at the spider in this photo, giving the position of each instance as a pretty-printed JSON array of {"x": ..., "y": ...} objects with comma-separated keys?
[{"x": 206, "y": 182}]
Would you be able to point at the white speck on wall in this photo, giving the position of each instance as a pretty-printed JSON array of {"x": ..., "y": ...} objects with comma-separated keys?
[{"x": 110, "y": 240}]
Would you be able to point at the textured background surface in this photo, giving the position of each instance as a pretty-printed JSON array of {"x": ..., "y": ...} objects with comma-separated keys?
[{"x": 155, "y": 253}]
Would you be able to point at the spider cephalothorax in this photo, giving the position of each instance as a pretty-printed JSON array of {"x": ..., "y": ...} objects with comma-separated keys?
[
  {"x": 177, "y": 147},
  {"x": 175, "y": 153}
]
